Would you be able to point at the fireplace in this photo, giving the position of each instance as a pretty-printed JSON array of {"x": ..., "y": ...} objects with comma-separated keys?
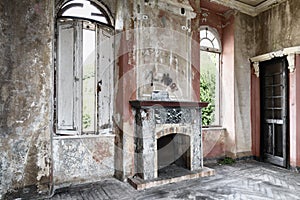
[{"x": 167, "y": 135}]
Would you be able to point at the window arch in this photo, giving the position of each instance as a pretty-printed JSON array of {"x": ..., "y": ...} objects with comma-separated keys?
[
  {"x": 83, "y": 68},
  {"x": 210, "y": 53},
  {"x": 86, "y": 9},
  {"x": 209, "y": 39}
]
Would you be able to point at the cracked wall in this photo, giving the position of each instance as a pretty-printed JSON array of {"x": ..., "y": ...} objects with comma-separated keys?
[
  {"x": 26, "y": 29},
  {"x": 82, "y": 159}
]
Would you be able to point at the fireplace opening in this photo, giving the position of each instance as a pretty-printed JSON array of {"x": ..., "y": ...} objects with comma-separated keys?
[{"x": 173, "y": 155}]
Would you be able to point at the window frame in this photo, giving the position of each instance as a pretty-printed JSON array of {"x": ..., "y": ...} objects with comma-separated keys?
[
  {"x": 217, "y": 51},
  {"x": 78, "y": 27}
]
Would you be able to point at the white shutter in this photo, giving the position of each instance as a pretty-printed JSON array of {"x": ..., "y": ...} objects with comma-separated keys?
[
  {"x": 65, "y": 77},
  {"x": 105, "y": 76}
]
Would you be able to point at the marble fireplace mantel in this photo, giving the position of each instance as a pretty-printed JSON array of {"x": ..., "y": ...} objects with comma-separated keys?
[
  {"x": 173, "y": 104},
  {"x": 155, "y": 119}
]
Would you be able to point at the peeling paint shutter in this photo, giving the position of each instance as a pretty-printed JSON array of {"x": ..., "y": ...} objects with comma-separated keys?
[
  {"x": 65, "y": 77},
  {"x": 105, "y": 76}
]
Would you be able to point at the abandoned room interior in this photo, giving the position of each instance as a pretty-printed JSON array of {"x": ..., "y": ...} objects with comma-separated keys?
[{"x": 131, "y": 89}]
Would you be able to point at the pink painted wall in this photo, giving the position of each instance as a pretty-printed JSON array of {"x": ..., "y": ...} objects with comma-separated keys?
[
  {"x": 227, "y": 86},
  {"x": 213, "y": 143},
  {"x": 255, "y": 114},
  {"x": 294, "y": 119}
]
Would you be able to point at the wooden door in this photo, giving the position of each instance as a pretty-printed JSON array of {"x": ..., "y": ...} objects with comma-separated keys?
[{"x": 274, "y": 111}]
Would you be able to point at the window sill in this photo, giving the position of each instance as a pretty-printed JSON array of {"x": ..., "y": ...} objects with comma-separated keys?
[
  {"x": 213, "y": 128},
  {"x": 101, "y": 133}
]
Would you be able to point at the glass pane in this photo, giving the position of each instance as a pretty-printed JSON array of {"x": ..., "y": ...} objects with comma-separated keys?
[
  {"x": 268, "y": 138},
  {"x": 210, "y": 36},
  {"x": 278, "y": 91},
  {"x": 206, "y": 43},
  {"x": 216, "y": 44},
  {"x": 268, "y": 114},
  {"x": 86, "y": 11},
  {"x": 269, "y": 103},
  {"x": 268, "y": 81},
  {"x": 277, "y": 103},
  {"x": 268, "y": 91},
  {"x": 209, "y": 87},
  {"x": 277, "y": 114},
  {"x": 278, "y": 79},
  {"x": 202, "y": 34},
  {"x": 89, "y": 81},
  {"x": 273, "y": 69}
]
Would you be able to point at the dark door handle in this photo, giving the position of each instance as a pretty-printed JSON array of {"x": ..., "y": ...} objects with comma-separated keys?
[{"x": 99, "y": 84}]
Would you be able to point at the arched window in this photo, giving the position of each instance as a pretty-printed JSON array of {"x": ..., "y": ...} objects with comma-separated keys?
[
  {"x": 209, "y": 40},
  {"x": 85, "y": 10},
  {"x": 83, "y": 68},
  {"x": 210, "y": 51}
]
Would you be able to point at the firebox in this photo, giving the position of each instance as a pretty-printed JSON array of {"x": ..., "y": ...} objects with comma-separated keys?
[{"x": 173, "y": 154}]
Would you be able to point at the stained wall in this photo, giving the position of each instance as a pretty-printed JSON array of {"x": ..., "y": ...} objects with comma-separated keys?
[
  {"x": 154, "y": 53},
  {"x": 26, "y": 29},
  {"x": 244, "y": 48},
  {"x": 278, "y": 27}
]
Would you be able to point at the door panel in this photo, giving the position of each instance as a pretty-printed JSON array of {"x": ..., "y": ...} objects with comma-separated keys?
[{"x": 274, "y": 110}]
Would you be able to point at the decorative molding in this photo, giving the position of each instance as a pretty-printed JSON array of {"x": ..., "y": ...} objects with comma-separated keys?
[
  {"x": 291, "y": 61},
  {"x": 267, "y": 5},
  {"x": 242, "y": 7},
  {"x": 289, "y": 52},
  {"x": 256, "y": 68},
  {"x": 248, "y": 9}
]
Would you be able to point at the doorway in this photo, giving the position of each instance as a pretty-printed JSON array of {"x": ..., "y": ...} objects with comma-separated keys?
[{"x": 274, "y": 111}]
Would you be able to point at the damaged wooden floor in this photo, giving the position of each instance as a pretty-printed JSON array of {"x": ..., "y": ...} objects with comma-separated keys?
[{"x": 242, "y": 180}]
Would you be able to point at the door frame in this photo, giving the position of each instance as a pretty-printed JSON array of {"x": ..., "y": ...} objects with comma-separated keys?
[
  {"x": 273, "y": 159},
  {"x": 293, "y": 57}
]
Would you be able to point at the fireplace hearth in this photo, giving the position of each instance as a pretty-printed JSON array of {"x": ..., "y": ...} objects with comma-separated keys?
[{"x": 168, "y": 141}]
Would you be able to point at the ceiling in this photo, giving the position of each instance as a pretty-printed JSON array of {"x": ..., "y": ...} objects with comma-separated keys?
[
  {"x": 252, "y": 2},
  {"x": 250, "y": 7}
]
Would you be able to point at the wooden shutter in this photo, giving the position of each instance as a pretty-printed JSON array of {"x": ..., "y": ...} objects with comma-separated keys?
[
  {"x": 105, "y": 76},
  {"x": 65, "y": 77}
]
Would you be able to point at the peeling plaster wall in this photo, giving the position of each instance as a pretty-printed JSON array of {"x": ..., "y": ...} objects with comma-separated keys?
[
  {"x": 244, "y": 45},
  {"x": 278, "y": 27},
  {"x": 163, "y": 65},
  {"x": 86, "y": 158},
  {"x": 213, "y": 143},
  {"x": 82, "y": 159},
  {"x": 125, "y": 89},
  {"x": 134, "y": 18},
  {"x": 26, "y": 29}
]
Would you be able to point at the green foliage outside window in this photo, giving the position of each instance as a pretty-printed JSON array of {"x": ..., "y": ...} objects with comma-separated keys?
[
  {"x": 207, "y": 88},
  {"x": 208, "y": 75}
]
